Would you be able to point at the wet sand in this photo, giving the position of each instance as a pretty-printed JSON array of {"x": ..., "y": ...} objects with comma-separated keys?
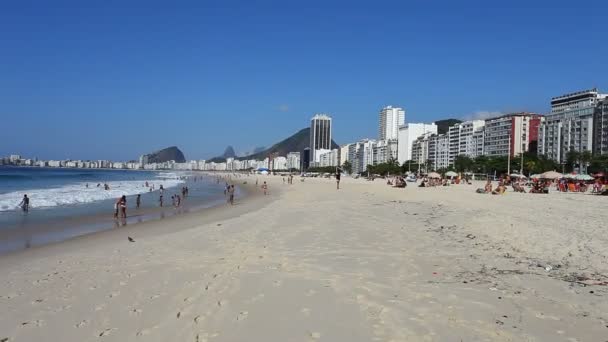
[{"x": 309, "y": 263}]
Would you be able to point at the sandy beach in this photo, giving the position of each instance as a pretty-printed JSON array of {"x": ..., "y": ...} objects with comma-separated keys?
[{"x": 309, "y": 263}]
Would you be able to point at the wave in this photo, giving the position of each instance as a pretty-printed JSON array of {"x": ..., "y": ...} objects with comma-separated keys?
[{"x": 79, "y": 194}]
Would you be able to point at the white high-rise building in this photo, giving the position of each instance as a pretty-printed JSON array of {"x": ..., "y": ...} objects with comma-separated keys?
[
  {"x": 293, "y": 160},
  {"x": 320, "y": 135},
  {"x": 569, "y": 127},
  {"x": 466, "y": 138},
  {"x": 408, "y": 134},
  {"x": 391, "y": 118}
]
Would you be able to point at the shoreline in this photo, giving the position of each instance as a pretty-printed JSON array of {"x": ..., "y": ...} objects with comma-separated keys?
[{"x": 72, "y": 228}]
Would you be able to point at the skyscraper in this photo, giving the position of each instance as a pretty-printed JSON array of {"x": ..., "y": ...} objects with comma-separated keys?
[
  {"x": 320, "y": 134},
  {"x": 569, "y": 127},
  {"x": 391, "y": 118}
]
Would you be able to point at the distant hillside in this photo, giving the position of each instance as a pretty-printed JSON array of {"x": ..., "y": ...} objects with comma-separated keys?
[
  {"x": 229, "y": 152},
  {"x": 295, "y": 143},
  {"x": 444, "y": 125},
  {"x": 167, "y": 154}
]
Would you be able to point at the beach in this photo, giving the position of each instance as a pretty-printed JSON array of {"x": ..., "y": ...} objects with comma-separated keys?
[{"x": 309, "y": 263}]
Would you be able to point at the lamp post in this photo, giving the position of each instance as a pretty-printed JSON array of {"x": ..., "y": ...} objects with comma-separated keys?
[{"x": 509, "y": 157}]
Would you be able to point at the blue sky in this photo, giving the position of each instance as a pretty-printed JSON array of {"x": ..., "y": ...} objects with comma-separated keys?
[{"x": 115, "y": 79}]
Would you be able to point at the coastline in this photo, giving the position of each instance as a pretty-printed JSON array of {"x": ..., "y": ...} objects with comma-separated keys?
[
  {"x": 94, "y": 224},
  {"x": 307, "y": 263}
]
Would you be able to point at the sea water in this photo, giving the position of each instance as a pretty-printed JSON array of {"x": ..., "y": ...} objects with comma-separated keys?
[{"x": 65, "y": 203}]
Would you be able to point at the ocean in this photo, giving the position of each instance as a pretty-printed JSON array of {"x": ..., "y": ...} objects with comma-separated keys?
[{"x": 66, "y": 203}]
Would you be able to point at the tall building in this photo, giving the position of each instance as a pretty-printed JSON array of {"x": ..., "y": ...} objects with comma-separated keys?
[
  {"x": 465, "y": 138},
  {"x": 520, "y": 129},
  {"x": 569, "y": 127},
  {"x": 320, "y": 135},
  {"x": 305, "y": 159},
  {"x": 344, "y": 154},
  {"x": 600, "y": 128},
  {"x": 391, "y": 118},
  {"x": 384, "y": 151},
  {"x": 293, "y": 160},
  {"x": 407, "y": 134}
]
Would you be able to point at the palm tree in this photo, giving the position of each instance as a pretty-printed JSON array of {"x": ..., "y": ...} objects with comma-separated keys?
[{"x": 585, "y": 158}]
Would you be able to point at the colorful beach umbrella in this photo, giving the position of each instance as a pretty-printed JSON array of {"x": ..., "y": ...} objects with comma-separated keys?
[{"x": 434, "y": 175}]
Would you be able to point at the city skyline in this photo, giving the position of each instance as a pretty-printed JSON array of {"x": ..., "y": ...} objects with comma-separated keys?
[{"x": 86, "y": 82}]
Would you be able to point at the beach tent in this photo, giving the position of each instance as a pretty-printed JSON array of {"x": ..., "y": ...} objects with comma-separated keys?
[
  {"x": 434, "y": 175},
  {"x": 551, "y": 175},
  {"x": 451, "y": 174}
]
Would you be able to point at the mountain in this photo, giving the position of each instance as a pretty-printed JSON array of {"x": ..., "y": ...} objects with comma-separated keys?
[
  {"x": 444, "y": 125},
  {"x": 167, "y": 154},
  {"x": 229, "y": 152},
  {"x": 295, "y": 143}
]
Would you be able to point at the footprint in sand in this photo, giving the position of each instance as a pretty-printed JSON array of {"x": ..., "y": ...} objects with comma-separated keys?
[
  {"x": 82, "y": 324},
  {"x": 305, "y": 311},
  {"x": 106, "y": 332},
  {"x": 310, "y": 293},
  {"x": 198, "y": 319},
  {"x": 135, "y": 311},
  {"x": 113, "y": 294},
  {"x": 242, "y": 315},
  {"x": 278, "y": 283}
]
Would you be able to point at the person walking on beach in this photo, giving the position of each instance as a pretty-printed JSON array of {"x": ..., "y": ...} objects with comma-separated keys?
[
  {"x": 160, "y": 199},
  {"x": 338, "y": 178},
  {"x": 138, "y": 201},
  {"x": 117, "y": 207},
  {"x": 123, "y": 206},
  {"x": 231, "y": 195},
  {"x": 265, "y": 188},
  {"x": 25, "y": 203}
]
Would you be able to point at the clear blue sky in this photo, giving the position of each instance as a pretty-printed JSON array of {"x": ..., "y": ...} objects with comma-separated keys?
[{"x": 115, "y": 79}]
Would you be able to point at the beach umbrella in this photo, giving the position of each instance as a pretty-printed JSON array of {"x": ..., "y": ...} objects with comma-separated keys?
[
  {"x": 451, "y": 174},
  {"x": 434, "y": 175},
  {"x": 570, "y": 176},
  {"x": 551, "y": 175},
  {"x": 583, "y": 177},
  {"x": 535, "y": 176},
  {"x": 517, "y": 175}
]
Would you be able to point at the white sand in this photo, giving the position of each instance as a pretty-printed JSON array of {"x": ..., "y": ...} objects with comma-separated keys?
[{"x": 308, "y": 263}]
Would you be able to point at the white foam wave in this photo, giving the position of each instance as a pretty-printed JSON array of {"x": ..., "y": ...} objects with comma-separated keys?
[{"x": 79, "y": 193}]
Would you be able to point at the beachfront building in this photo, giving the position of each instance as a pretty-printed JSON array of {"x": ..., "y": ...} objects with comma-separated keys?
[
  {"x": 320, "y": 135},
  {"x": 305, "y": 159},
  {"x": 515, "y": 133},
  {"x": 600, "y": 128},
  {"x": 279, "y": 163},
  {"x": 361, "y": 154},
  {"x": 569, "y": 126},
  {"x": 465, "y": 138},
  {"x": 344, "y": 154},
  {"x": 329, "y": 158},
  {"x": 293, "y": 160},
  {"x": 384, "y": 151},
  {"x": 390, "y": 119},
  {"x": 406, "y": 136}
]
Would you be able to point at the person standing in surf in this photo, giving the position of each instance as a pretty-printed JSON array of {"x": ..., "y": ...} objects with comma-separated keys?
[{"x": 25, "y": 203}]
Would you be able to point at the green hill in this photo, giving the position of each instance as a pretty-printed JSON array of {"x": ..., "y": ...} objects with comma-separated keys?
[{"x": 295, "y": 143}]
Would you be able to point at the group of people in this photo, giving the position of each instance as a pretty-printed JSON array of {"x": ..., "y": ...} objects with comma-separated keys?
[{"x": 397, "y": 182}]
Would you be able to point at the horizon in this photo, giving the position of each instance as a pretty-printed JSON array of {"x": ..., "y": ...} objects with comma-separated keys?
[{"x": 114, "y": 82}]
